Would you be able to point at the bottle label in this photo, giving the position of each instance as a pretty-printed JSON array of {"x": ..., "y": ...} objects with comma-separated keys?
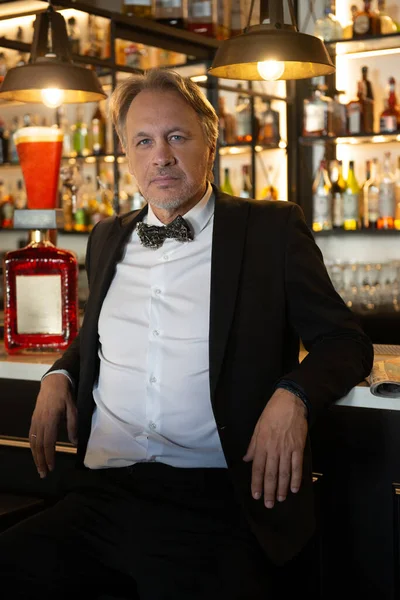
[
  {"x": 201, "y": 10},
  {"x": 354, "y": 116},
  {"x": 386, "y": 199},
  {"x": 373, "y": 205},
  {"x": 168, "y": 4},
  {"x": 350, "y": 206},
  {"x": 138, "y": 2},
  {"x": 39, "y": 304},
  {"x": 361, "y": 24},
  {"x": 337, "y": 209},
  {"x": 322, "y": 209},
  {"x": 388, "y": 124},
  {"x": 314, "y": 118}
]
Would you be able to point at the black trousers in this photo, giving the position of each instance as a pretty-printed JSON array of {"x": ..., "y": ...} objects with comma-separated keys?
[{"x": 148, "y": 532}]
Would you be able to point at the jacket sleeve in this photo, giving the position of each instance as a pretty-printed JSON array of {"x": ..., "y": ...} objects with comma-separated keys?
[{"x": 340, "y": 355}]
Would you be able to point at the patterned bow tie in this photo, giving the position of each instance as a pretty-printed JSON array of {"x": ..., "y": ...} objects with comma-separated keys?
[{"x": 153, "y": 236}]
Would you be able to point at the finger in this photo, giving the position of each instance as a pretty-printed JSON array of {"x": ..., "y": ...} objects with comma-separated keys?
[
  {"x": 36, "y": 440},
  {"x": 49, "y": 444},
  {"x": 297, "y": 471},
  {"x": 285, "y": 468},
  {"x": 251, "y": 449},
  {"x": 271, "y": 479},
  {"x": 257, "y": 474},
  {"x": 72, "y": 423},
  {"x": 32, "y": 442}
]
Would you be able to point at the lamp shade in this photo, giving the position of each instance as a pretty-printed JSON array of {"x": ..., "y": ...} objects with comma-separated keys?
[
  {"x": 50, "y": 67},
  {"x": 303, "y": 55}
]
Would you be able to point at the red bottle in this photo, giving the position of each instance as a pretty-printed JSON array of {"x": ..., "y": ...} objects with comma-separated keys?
[{"x": 41, "y": 301}]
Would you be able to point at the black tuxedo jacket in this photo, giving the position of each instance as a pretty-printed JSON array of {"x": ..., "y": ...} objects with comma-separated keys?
[{"x": 269, "y": 287}]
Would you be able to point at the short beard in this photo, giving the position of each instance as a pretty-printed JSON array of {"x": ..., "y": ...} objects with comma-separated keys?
[{"x": 173, "y": 204}]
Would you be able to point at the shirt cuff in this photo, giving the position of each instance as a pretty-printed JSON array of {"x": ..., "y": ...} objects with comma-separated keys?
[
  {"x": 63, "y": 372},
  {"x": 297, "y": 390}
]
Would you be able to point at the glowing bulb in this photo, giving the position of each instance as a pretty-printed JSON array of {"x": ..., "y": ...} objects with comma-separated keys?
[
  {"x": 271, "y": 69},
  {"x": 52, "y": 97}
]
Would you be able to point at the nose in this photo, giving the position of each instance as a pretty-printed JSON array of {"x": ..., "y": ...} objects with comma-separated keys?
[{"x": 163, "y": 155}]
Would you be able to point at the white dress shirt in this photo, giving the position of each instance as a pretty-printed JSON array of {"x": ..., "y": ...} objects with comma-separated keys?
[{"x": 153, "y": 396}]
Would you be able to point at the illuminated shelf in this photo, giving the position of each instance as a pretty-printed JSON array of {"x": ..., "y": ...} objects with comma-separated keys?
[
  {"x": 343, "y": 232},
  {"x": 372, "y": 138},
  {"x": 375, "y": 43},
  {"x": 245, "y": 148}
]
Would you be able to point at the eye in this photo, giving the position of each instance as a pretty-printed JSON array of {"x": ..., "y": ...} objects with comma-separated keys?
[
  {"x": 176, "y": 138},
  {"x": 144, "y": 142}
]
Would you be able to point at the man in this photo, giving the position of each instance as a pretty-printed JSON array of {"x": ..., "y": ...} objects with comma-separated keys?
[{"x": 184, "y": 391}]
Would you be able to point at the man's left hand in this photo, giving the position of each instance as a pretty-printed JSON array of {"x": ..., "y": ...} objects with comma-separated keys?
[{"x": 276, "y": 448}]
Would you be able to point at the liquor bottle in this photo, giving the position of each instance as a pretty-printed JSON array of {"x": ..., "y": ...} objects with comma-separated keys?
[
  {"x": 20, "y": 198},
  {"x": 386, "y": 195},
  {"x": 3, "y": 142},
  {"x": 328, "y": 28},
  {"x": 41, "y": 304},
  {"x": 246, "y": 189},
  {"x": 226, "y": 187},
  {"x": 355, "y": 113},
  {"x": 337, "y": 191},
  {"x": 386, "y": 23},
  {"x": 366, "y": 22},
  {"x": 371, "y": 197},
  {"x": 98, "y": 132},
  {"x": 243, "y": 117},
  {"x": 339, "y": 115},
  {"x": 390, "y": 116},
  {"x": 397, "y": 196},
  {"x": 172, "y": 12},
  {"x": 348, "y": 28},
  {"x": 366, "y": 96},
  {"x": 74, "y": 35},
  {"x": 322, "y": 200},
  {"x": 269, "y": 126},
  {"x": 80, "y": 139},
  {"x": 351, "y": 201},
  {"x": 202, "y": 17},
  {"x": 12, "y": 148},
  {"x": 138, "y": 8},
  {"x": 7, "y": 207},
  {"x": 270, "y": 191},
  {"x": 318, "y": 111},
  {"x": 227, "y": 124}
]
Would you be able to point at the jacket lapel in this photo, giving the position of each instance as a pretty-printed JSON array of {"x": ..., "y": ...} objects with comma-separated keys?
[
  {"x": 111, "y": 253},
  {"x": 229, "y": 234}
]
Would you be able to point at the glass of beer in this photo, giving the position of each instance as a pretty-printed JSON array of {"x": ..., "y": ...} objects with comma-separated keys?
[{"x": 39, "y": 150}]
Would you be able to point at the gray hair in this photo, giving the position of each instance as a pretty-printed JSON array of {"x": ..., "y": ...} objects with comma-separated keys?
[{"x": 163, "y": 79}]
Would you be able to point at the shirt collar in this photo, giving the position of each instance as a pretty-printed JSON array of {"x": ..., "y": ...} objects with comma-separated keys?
[{"x": 197, "y": 217}]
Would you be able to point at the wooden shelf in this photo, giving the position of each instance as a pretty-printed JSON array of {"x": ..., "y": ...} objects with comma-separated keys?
[
  {"x": 357, "y": 232},
  {"x": 359, "y": 138}
]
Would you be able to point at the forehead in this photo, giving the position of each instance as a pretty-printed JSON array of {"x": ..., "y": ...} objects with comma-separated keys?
[{"x": 156, "y": 106}]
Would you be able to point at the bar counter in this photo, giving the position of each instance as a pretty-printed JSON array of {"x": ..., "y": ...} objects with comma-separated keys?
[{"x": 31, "y": 367}]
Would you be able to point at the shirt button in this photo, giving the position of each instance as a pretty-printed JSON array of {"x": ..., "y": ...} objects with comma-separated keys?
[
  {"x": 157, "y": 291},
  {"x": 152, "y": 425},
  {"x": 153, "y": 379},
  {"x": 156, "y": 333},
  {"x": 165, "y": 257}
]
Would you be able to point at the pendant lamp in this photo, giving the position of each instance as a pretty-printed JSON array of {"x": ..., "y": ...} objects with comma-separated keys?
[
  {"x": 51, "y": 76},
  {"x": 272, "y": 50}
]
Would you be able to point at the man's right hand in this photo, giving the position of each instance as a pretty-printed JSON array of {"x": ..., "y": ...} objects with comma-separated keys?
[{"x": 54, "y": 401}]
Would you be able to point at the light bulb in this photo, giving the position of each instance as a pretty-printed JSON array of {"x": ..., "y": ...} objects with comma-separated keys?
[
  {"x": 270, "y": 70},
  {"x": 52, "y": 97}
]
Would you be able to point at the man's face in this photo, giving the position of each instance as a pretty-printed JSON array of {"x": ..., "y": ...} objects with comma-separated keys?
[{"x": 166, "y": 149}]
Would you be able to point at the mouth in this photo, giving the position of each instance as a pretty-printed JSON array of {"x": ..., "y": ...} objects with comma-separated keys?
[{"x": 164, "y": 179}]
